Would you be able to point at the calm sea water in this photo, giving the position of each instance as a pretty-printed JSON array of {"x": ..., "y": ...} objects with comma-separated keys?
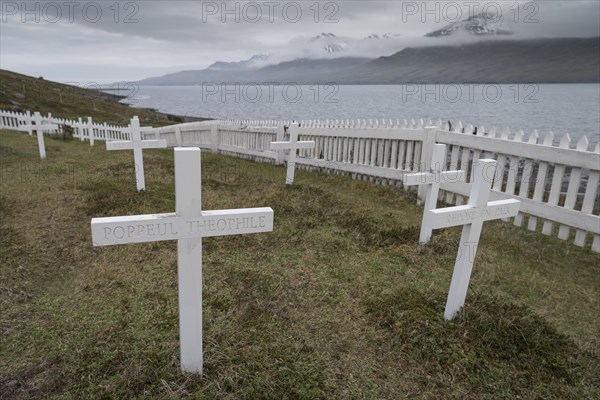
[{"x": 561, "y": 108}]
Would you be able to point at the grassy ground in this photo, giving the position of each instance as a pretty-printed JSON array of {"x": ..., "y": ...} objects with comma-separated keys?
[
  {"x": 25, "y": 93},
  {"x": 338, "y": 302}
]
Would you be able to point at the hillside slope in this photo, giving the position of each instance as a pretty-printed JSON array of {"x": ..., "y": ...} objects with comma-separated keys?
[{"x": 25, "y": 93}]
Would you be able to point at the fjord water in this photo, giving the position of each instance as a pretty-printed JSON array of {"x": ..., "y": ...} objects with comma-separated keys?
[{"x": 561, "y": 108}]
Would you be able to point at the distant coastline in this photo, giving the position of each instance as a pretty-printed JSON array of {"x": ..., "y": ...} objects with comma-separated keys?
[{"x": 117, "y": 98}]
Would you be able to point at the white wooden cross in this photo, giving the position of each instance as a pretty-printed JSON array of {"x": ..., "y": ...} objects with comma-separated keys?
[
  {"x": 431, "y": 180},
  {"x": 471, "y": 216},
  {"x": 137, "y": 144},
  {"x": 293, "y": 145},
  {"x": 39, "y": 127},
  {"x": 90, "y": 129},
  {"x": 188, "y": 225}
]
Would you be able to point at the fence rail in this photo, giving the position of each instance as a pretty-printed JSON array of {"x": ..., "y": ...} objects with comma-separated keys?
[
  {"x": 556, "y": 180},
  {"x": 82, "y": 130}
]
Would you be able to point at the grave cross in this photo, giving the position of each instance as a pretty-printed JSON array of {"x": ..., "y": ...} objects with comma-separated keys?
[
  {"x": 432, "y": 181},
  {"x": 188, "y": 225},
  {"x": 137, "y": 144},
  {"x": 39, "y": 127},
  {"x": 293, "y": 145},
  {"x": 471, "y": 216}
]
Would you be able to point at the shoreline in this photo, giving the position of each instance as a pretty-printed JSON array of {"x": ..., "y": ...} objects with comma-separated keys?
[
  {"x": 172, "y": 117},
  {"x": 159, "y": 114}
]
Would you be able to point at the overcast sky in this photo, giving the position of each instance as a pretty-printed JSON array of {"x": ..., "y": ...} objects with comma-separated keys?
[{"x": 105, "y": 41}]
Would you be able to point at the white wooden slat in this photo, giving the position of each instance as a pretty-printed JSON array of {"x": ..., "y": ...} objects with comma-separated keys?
[
  {"x": 513, "y": 166},
  {"x": 588, "y": 203},
  {"x": 380, "y": 148},
  {"x": 386, "y": 153},
  {"x": 401, "y": 154},
  {"x": 453, "y": 166},
  {"x": 557, "y": 177},
  {"x": 394, "y": 155},
  {"x": 465, "y": 161},
  {"x": 373, "y": 152},
  {"x": 540, "y": 185},
  {"x": 526, "y": 178},
  {"x": 572, "y": 190}
]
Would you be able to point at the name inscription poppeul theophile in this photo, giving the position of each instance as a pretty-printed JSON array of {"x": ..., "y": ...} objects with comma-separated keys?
[{"x": 145, "y": 228}]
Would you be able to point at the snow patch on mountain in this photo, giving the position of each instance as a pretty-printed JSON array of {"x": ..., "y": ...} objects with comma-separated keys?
[
  {"x": 323, "y": 45},
  {"x": 254, "y": 62},
  {"x": 479, "y": 25}
]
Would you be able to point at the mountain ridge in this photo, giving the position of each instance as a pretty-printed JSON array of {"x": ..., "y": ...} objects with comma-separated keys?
[{"x": 563, "y": 60}]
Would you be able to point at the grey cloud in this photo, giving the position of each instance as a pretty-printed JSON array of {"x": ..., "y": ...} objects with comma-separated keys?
[{"x": 171, "y": 36}]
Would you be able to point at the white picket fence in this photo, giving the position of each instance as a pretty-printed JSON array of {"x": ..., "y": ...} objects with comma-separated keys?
[
  {"x": 83, "y": 129},
  {"x": 556, "y": 180}
]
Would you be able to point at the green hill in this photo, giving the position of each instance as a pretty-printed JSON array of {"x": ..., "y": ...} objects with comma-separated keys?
[{"x": 25, "y": 93}]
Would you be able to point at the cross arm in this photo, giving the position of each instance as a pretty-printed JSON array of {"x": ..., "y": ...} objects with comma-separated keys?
[
  {"x": 142, "y": 129},
  {"x": 154, "y": 144},
  {"x": 158, "y": 227},
  {"x": 308, "y": 144},
  {"x": 42, "y": 127},
  {"x": 129, "y": 145},
  {"x": 119, "y": 145},
  {"x": 466, "y": 214},
  {"x": 428, "y": 178}
]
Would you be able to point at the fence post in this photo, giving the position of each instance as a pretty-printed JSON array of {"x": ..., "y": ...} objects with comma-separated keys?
[
  {"x": 90, "y": 130},
  {"x": 429, "y": 140},
  {"x": 214, "y": 138},
  {"x": 178, "y": 136},
  {"x": 280, "y": 138}
]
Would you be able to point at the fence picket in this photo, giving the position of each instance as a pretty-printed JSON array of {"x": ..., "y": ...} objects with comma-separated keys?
[
  {"x": 526, "y": 178},
  {"x": 588, "y": 203},
  {"x": 559, "y": 171},
  {"x": 540, "y": 185},
  {"x": 573, "y": 188}
]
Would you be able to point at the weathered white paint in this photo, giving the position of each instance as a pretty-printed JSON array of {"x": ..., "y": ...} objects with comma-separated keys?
[
  {"x": 293, "y": 146},
  {"x": 431, "y": 181},
  {"x": 137, "y": 144},
  {"x": 188, "y": 225},
  {"x": 471, "y": 216}
]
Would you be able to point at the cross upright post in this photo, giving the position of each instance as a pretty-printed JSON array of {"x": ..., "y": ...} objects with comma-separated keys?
[
  {"x": 471, "y": 216},
  {"x": 137, "y": 144},
  {"x": 293, "y": 145},
  {"x": 90, "y": 129},
  {"x": 431, "y": 181},
  {"x": 188, "y": 225}
]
